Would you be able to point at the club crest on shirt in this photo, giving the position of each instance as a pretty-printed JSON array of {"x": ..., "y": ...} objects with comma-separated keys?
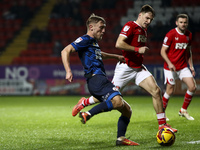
[
  {"x": 78, "y": 40},
  {"x": 126, "y": 28}
]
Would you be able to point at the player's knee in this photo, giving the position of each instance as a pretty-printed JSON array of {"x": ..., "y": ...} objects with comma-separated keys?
[
  {"x": 129, "y": 110},
  {"x": 117, "y": 102},
  {"x": 170, "y": 89},
  {"x": 126, "y": 110},
  {"x": 156, "y": 92},
  {"x": 192, "y": 89}
]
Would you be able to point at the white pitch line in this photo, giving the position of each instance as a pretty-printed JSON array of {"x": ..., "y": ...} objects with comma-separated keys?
[{"x": 194, "y": 142}]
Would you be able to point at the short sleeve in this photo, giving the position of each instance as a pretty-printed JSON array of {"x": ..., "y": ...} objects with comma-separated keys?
[
  {"x": 168, "y": 39},
  {"x": 80, "y": 43},
  {"x": 126, "y": 30}
]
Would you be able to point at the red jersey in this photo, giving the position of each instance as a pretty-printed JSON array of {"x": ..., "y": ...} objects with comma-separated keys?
[
  {"x": 137, "y": 37},
  {"x": 177, "y": 43}
]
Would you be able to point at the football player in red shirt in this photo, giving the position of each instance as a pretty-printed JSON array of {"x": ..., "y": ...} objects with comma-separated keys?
[
  {"x": 132, "y": 41},
  {"x": 176, "y": 51}
]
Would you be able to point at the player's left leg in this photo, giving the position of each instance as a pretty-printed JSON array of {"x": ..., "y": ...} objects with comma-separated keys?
[
  {"x": 191, "y": 84},
  {"x": 150, "y": 85},
  {"x": 186, "y": 76},
  {"x": 123, "y": 123}
]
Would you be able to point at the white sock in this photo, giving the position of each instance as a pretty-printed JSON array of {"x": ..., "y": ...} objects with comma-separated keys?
[
  {"x": 166, "y": 96},
  {"x": 120, "y": 138},
  {"x": 189, "y": 93},
  {"x": 91, "y": 100}
]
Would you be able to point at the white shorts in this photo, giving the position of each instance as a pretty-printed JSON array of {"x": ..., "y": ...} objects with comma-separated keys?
[
  {"x": 124, "y": 74},
  {"x": 171, "y": 76}
]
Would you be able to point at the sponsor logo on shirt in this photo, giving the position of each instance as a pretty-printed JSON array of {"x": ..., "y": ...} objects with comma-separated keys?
[
  {"x": 181, "y": 45},
  {"x": 142, "y": 38}
]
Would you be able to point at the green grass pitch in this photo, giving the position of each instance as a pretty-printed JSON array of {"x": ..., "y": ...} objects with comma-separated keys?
[{"x": 46, "y": 123}]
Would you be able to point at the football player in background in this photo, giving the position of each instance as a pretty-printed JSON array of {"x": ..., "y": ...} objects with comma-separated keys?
[
  {"x": 98, "y": 84},
  {"x": 132, "y": 41},
  {"x": 176, "y": 51}
]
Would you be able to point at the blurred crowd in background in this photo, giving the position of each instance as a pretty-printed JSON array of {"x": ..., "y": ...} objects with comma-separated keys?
[{"x": 70, "y": 16}]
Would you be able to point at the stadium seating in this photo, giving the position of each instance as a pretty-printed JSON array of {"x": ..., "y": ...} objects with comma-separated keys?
[
  {"x": 10, "y": 25},
  {"x": 61, "y": 28}
]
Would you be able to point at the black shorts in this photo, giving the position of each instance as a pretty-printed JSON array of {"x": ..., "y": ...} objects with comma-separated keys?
[{"x": 101, "y": 88}]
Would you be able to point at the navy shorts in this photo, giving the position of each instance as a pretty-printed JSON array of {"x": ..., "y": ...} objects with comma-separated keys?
[{"x": 101, "y": 88}]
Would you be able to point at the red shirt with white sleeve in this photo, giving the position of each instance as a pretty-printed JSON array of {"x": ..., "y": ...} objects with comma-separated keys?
[
  {"x": 137, "y": 37},
  {"x": 177, "y": 44}
]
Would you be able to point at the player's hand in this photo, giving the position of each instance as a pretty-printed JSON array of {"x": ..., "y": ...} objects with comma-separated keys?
[
  {"x": 172, "y": 67},
  {"x": 121, "y": 59},
  {"x": 193, "y": 71},
  {"x": 69, "y": 76},
  {"x": 143, "y": 50}
]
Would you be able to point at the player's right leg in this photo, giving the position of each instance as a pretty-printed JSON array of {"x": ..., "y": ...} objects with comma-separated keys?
[
  {"x": 170, "y": 86},
  {"x": 168, "y": 93},
  {"x": 103, "y": 90},
  {"x": 83, "y": 102},
  {"x": 170, "y": 78},
  {"x": 166, "y": 96}
]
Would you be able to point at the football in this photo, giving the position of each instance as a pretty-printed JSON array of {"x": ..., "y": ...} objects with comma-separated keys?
[{"x": 165, "y": 137}]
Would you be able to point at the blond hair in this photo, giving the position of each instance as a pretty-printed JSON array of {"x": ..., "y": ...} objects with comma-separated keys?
[{"x": 94, "y": 19}]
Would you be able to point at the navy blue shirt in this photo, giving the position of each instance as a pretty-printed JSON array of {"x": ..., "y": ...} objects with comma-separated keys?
[{"x": 90, "y": 55}]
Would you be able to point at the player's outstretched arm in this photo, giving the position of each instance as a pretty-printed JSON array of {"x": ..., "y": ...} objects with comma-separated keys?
[
  {"x": 113, "y": 56},
  {"x": 65, "y": 55}
]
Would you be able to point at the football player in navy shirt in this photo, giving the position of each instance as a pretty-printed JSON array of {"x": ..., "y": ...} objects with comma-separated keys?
[{"x": 98, "y": 84}]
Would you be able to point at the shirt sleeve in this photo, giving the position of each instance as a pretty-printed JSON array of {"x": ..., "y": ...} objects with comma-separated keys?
[
  {"x": 126, "y": 30},
  {"x": 80, "y": 43},
  {"x": 167, "y": 40}
]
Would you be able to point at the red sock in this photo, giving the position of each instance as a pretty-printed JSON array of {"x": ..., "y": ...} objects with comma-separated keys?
[
  {"x": 161, "y": 118},
  {"x": 86, "y": 102},
  {"x": 165, "y": 100},
  {"x": 187, "y": 100}
]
